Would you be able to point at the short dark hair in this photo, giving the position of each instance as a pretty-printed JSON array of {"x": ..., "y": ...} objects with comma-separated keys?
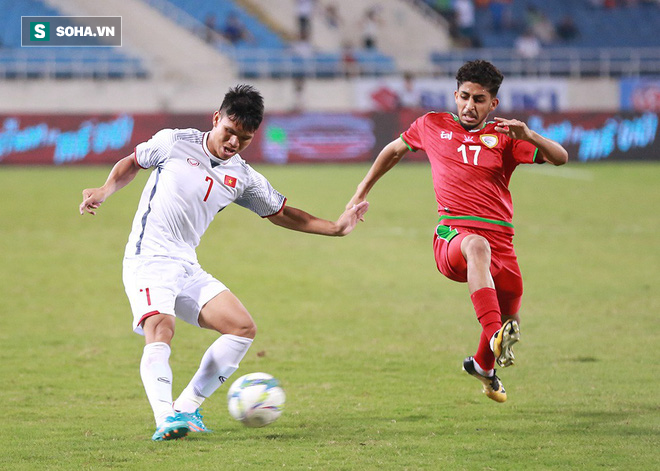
[
  {"x": 482, "y": 72},
  {"x": 244, "y": 105}
]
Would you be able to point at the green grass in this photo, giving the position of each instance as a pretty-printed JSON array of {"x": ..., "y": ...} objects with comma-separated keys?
[{"x": 366, "y": 336}]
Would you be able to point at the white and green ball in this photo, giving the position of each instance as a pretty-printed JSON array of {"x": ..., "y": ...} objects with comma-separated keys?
[{"x": 256, "y": 399}]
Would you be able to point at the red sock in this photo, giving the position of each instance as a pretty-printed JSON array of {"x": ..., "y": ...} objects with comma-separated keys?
[
  {"x": 488, "y": 312},
  {"x": 484, "y": 356}
]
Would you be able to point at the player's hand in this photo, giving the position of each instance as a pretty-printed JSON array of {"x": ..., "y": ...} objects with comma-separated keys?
[
  {"x": 349, "y": 218},
  {"x": 92, "y": 199},
  {"x": 357, "y": 199},
  {"x": 513, "y": 128}
]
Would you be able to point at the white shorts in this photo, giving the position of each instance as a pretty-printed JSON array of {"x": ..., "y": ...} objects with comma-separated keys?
[{"x": 161, "y": 285}]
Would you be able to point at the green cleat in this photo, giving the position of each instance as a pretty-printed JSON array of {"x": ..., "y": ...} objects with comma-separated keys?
[
  {"x": 171, "y": 429},
  {"x": 503, "y": 342},
  {"x": 493, "y": 387}
]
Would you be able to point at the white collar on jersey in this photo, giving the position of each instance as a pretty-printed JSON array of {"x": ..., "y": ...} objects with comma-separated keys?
[{"x": 214, "y": 160}]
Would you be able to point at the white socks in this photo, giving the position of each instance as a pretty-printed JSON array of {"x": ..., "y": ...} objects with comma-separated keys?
[
  {"x": 218, "y": 363},
  {"x": 481, "y": 371},
  {"x": 157, "y": 379}
]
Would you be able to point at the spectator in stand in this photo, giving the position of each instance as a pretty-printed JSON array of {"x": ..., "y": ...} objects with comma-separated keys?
[
  {"x": 209, "y": 27},
  {"x": 234, "y": 30},
  {"x": 409, "y": 97},
  {"x": 567, "y": 30},
  {"x": 539, "y": 23},
  {"x": 332, "y": 17},
  {"x": 305, "y": 11},
  {"x": 501, "y": 12},
  {"x": 298, "y": 105},
  {"x": 465, "y": 20},
  {"x": 444, "y": 7},
  {"x": 528, "y": 45},
  {"x": 370, "y": 25},
  {"x": 351, "y": 68}
]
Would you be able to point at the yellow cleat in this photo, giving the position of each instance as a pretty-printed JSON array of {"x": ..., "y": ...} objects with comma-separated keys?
[
  {"x": 503, "y": 342},
  {"x": 493, "y": 387}
]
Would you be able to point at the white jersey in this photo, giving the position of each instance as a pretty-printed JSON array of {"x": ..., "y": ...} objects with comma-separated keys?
[{"x": 187, "y": 188}]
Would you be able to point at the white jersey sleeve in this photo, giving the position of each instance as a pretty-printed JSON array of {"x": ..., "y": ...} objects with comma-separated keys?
[
  {"x": 154, "y": 152},
  {"x": 259, "y": 196}
]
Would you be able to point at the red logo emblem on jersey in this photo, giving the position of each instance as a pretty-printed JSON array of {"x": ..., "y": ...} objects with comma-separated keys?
[
  {"x": 193, "y": 162},
  {"x": 230, "y": 181}
]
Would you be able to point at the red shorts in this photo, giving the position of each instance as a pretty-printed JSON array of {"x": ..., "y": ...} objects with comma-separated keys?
[{"x": 503, "y": 266}]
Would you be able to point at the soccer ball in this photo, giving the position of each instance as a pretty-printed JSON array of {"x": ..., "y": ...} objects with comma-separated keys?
[{"x": 256, "y": 399}]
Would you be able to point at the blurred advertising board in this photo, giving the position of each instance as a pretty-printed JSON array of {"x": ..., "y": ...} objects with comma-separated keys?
[
  {"x": 392, "y": 93},
  {"x": 305, "y": 137},
  {"x": 640, "y": 94},
  {"x": 82, "y": 139}
]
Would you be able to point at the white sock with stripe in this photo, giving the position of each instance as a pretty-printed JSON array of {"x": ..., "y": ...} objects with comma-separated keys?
[{"x": 218, "y": 363}]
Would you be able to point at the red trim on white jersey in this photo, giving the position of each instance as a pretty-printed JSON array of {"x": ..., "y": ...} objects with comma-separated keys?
[
  {"x": 135, "y": 158},
  {"x": 278, "y": 211}
]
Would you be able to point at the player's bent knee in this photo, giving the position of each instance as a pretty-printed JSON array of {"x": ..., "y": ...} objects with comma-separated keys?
[
  {"x": 248, "y": 331},
  {"x": 475, "y": 246}
]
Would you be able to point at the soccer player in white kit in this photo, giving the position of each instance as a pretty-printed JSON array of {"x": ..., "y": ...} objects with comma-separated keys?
[{"x": 196, "y": 174}]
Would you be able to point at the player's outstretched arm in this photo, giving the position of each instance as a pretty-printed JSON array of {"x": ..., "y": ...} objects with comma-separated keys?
[
  {"x": 550, "y": 150},
  {"x": 387, "y": 158},
  {"x": 121, "y": 175},
  {"x": 298, "y": 220}
]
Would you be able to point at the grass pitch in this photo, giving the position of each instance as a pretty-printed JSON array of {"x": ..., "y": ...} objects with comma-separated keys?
[{"x": 365, "y": 335}]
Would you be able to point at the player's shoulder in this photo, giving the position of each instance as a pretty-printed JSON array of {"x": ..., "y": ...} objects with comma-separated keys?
[
  {"x": 188, "y": 134},
  {"x": 252, "y": 175},
  {"x": 239, "y": 165},
  {"x": 180, "y": 134},
  {"x": 444, "y": 118}
]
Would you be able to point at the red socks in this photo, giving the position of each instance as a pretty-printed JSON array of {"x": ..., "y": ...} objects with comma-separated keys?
[{"x": 488, "y": 313}]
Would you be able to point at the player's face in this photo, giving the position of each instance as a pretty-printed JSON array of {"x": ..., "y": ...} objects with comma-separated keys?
[
  {"x": 227, "y": 137},
  {"x": 474, "y": 103}
]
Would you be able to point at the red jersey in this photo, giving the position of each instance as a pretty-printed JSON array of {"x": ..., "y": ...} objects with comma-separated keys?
[{"x": 471, "y": 169}]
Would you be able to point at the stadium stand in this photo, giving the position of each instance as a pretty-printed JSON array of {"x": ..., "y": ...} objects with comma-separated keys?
[
  {"x": 608, "y": 42},
  {"x": 408, "y": 31},
  {"x": 632, "y": 26},
  {"x": 179, "y": 70},
  {"x": 266, "y": 53},
  {"x": 18, "y": 62}
]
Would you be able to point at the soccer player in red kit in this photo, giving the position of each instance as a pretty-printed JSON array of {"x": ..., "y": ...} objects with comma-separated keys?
[{"x": 472, "y": 160}]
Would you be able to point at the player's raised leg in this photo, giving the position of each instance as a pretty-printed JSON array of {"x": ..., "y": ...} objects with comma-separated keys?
[
  {"x": 225, "y": 314},
  {"x": 477, "y": 253},
  {"x": 509, "y": 292}
]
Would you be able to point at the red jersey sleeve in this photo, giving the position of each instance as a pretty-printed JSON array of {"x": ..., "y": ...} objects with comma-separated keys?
[
  {"x": 413, "y": 136},
  {"x": 525, "y": 153}
]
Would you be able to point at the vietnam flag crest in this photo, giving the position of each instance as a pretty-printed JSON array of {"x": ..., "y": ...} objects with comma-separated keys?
[{"x": 230, "y": 181}]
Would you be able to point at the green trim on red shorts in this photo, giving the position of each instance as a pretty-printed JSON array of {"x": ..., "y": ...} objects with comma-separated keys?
[{"x": 445, "y": 232}]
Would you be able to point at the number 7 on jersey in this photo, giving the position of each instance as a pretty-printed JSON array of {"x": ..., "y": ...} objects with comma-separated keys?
[{"x": 208, "y": 192}]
